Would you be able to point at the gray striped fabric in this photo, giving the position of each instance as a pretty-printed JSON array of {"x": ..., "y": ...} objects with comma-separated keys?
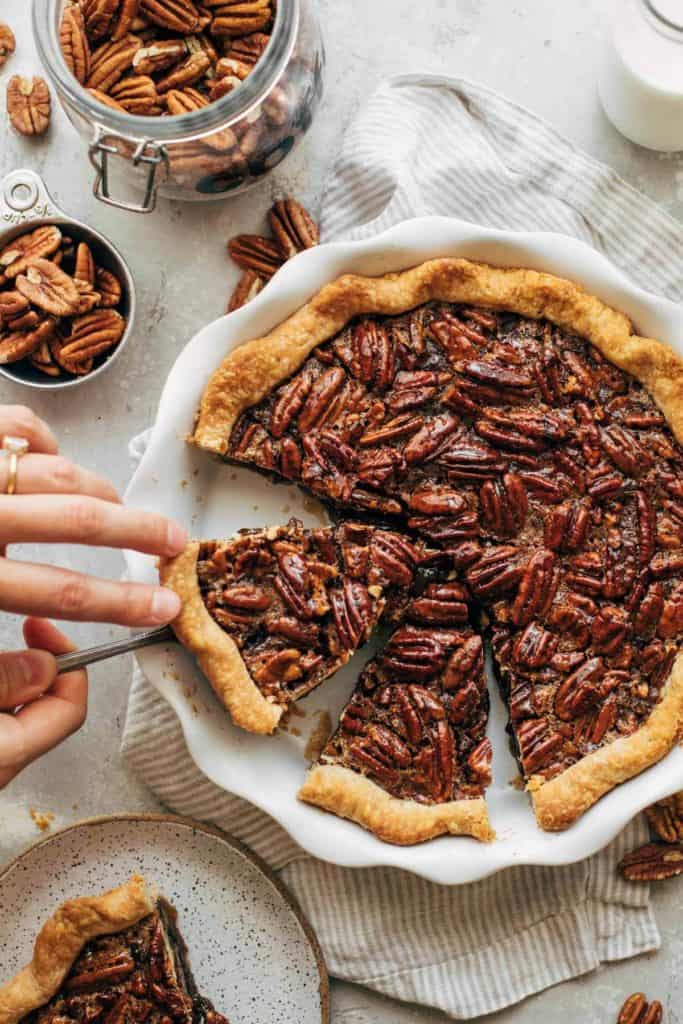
[{"x": 427, "y": 145}]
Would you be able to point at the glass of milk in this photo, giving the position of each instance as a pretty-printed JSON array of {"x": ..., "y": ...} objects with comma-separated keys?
[{"x": 641, "y": 76}]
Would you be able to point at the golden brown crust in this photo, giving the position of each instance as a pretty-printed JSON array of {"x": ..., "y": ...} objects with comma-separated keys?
[
  {"x": 217, "y": 653},
  {"x": 251, "y": 371},
  {"x": 559, "y": 802},
  {"x": 404, "y": 822},
  {"x": 62, "y": 938}
]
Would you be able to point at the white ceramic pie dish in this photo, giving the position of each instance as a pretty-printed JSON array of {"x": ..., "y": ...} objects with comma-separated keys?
[{"x": 215, "y": 500}]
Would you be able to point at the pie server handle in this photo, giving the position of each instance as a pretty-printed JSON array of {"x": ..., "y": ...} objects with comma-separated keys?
[{"x": 79, "y": 659}]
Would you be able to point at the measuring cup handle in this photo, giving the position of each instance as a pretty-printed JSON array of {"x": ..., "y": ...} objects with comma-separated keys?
[{"x": 24, "y": 196}]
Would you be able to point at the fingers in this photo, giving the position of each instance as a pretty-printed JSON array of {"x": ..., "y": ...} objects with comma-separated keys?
[
  {"x": 24, "y": 676},
  {"x": 50, "y": 474},
  {"x": 29, "y": 589},
  {"x": 42, "y": 724},
  {"x": 19, "y": 421},
  {"x": 57, "y": 518}
]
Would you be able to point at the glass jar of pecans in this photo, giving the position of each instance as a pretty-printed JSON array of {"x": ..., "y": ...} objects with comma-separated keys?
[{"x": 194, "y": 100}]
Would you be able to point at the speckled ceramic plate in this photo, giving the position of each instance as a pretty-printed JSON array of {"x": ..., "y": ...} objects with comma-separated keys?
[
  {"x": 214, "y": 500},
  {"x": 252, "y": 951}
]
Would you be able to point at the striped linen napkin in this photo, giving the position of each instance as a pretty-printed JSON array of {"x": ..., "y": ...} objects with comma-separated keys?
[{"x": 432, "y": 145}]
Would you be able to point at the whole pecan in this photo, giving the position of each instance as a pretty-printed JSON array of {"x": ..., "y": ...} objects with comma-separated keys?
[
  {"x": 28, "y": 105},
  {"x": 137, "y": 94},
  {"x": 109, "y": 287},
  {"x": 158, "y": 56},
  {"x": 653, "y": 862},
  {"x": 239, "y": 17},
  {"x": 19, "y": 344},
  {"x": 41, "y": 243}
]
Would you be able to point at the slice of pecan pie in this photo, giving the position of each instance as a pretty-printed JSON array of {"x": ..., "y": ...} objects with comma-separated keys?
[
  {"x": 271, "y": 613},
  {"x": 116, "y": 958},
  {"x": 410, "y": 758},
  {"x": 522, "y": 426}
]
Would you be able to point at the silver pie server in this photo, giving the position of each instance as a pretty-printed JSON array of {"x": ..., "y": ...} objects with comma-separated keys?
[{"x": 79, "y": 659}]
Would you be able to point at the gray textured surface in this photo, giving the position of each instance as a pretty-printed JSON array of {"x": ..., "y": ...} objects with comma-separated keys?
[{"x": 541, "y": 53}]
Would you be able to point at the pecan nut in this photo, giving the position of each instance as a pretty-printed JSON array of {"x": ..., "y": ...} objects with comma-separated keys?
[
  {"x": 28, "y": 105},
  {"x": 246, "y": 289},
  {"x": 20, "y": 344},
  {"x": 293, "y": 227},
  {"x": 93, "y": 334},
  {"x": 48, "y": 288},
  {"x": 666, "y": 818},
  {"x": 653, "y": 862},
  {"x": 74, "y": 42},
  {"x": 8, "y": 43},
  {"x": 173, "y": 15},
  {"x": 254, "y": 252}
]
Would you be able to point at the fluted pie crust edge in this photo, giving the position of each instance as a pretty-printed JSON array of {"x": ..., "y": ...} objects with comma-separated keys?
[
  {"x": 254, "y": 369},
  {"x": 215, "y": 650},
  {"x": 560, "y": 801},
  {"x": 403, "y": 822},
  {"x": 63, "y": 936}
]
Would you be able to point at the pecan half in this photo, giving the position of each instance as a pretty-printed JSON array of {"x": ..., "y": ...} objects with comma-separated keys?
[
  {"x": 666, "y": 818},
  {"x": 109, "y": 287},
  {"x": 20, "y": 344},
  {"x": 637, "y": 1010},
  {"x": 254, "y": 252},
  {"x": 137, "y": 94},
  {"x": 93, "y": 334},
  {"x": 28, "y": 105},
  {"x": 41, "y": 243},
  {"x": 74, "y": 42},
  {"x": 48, "y": 288},
  {"x": 293, "y": 227},
  {"x": 653, "y": 862},
  {"x": 172, "y": 15},
  {"x": 8, "y": 43},
  {"x": 247, "y": 288},
  {"x": 239, "y": 17},
  {"x": 109, "y": 62}
]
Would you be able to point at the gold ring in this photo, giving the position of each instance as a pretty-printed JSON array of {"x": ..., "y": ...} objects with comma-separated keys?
[{"x": 15, "y": 447}]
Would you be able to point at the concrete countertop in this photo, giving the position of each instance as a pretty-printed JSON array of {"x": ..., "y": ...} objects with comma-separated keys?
[{"x": 540, "y": 53}]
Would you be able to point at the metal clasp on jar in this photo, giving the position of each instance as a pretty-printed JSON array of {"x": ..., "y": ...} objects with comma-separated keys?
[{"x": 146, "y": 151}]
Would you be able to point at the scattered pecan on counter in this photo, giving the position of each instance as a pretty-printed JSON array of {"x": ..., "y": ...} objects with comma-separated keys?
[
  {"x": 653, "y": 862},
  {"x": 666, "y": 818},
  {"x": 8, "y": 43},
  {"x": 28, "y": 105},
  {"x": 260, "y": 257},
  {"x": 58, "y": 309},
  {"x": 637, "y": 1010}
]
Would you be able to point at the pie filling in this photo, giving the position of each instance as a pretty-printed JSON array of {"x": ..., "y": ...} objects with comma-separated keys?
[
  {"x": 549, "y": 481},
  {"x": 416, "y": 722},
  {"x": 137, "y": 976},
  {"x": 298, "y": 602}
]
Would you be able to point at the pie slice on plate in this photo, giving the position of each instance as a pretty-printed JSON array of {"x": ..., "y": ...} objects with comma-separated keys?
[
  {"x": 114, "y": 958},
  {"x": 410, "y": 758},
  {"x": 521, "y": 426},
  {"x": 271, "y": 613}
]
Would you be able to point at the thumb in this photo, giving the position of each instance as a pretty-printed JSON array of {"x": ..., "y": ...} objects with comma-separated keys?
[{"x": 24, "y": 676}]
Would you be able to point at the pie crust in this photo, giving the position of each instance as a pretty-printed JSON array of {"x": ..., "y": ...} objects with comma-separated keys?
[
  {"x": 404, "y": 822},
  {"x": 252, "y": 371},
  {"x": 62, "y": 938},
  {"x": 215, "y": 650}
]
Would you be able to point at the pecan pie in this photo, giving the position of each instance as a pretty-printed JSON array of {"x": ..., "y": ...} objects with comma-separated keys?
[
  {"x": 271, "y": 613},
  {"x": 117, "y": 958},
  {"x": 519, "y": 425}
]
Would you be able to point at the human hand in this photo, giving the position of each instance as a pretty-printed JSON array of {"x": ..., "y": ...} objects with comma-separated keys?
[
  {"x": 51, "y": 707},
  {"x": 59, "y": 502}
]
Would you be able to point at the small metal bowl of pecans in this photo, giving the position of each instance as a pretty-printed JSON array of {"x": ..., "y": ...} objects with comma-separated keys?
[{"x": 67, "y": 298}]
